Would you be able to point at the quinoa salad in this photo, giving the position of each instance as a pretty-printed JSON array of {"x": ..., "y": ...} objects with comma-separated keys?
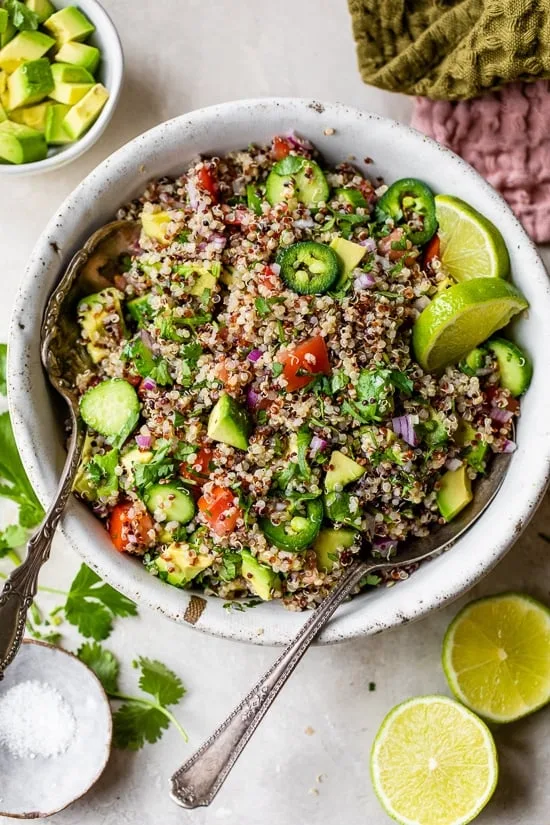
[{"x": 258, "y": 407}]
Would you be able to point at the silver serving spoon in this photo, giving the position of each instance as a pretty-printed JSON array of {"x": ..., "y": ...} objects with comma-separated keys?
[
  {"x": 92, "y": 268},
  {"x": 199, "y": 779}
]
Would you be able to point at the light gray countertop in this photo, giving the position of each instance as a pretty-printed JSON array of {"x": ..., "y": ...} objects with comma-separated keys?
[{"x": 308, "y": 764}]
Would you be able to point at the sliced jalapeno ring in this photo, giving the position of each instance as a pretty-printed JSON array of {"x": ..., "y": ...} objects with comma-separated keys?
[
  {"x": 410, "y": 201},
  {"x": 297, "y": 533},
  {"x": 309, "y": 268}
]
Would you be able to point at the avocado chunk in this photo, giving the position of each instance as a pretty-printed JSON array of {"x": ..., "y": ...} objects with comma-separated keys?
[
  {"x": 3, "y": 114},
  {"x": 133, "y": 457},
  {"x": 155, "y": 225},
  {"x": 21, "y": 144},
  {"x": 70, "y": 93},
  {"x": 329, "y": 543},
  {"x": 67, "y": 73},
  {"x": 42, "y": 8},
  {"x": 96, "y": 478},
  {"x": 23, "y": 47},
  {"x": 350, "y": 255},
  {"x": 79, "y": 54},
  {"x": 173, "y": 500},
  {"x": 464, "y": 433},
  {"x": 4, "y": 20},
  {"x": 69, "y": 24},
  {"x": 178, "y": 564},
  {"x": 30, "y": 83},
  {"x": 229, "y": 423},
  {"x": 342, "y": 470},
  {"x": 33, "y": 116},
  {"x": 206, "y": 280},
  {"x": 93, "y": 312},
  {"x": 515, "y": 367},
  {"x": 454, "y": 493},
  {"x": 261, "y": 579},
  {"x": 7, "y": 35},
  {"x": 54, "y": 129},
  {"x": 79, "y": 119}
]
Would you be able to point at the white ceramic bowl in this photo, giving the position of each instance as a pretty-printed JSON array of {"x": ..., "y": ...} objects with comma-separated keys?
[
  {"x": 110, "y": 74},
  {"x": 398, "y": 151}
]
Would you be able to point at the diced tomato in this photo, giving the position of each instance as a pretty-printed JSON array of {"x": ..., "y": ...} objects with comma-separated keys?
[
  {"x": 267, "y": 278},
  {"x": 199, "y": 469},
  {"x": 432, "y": 251},
  {"x": 222, "y": 373},
  {"x": 281, "y": 148},
  {"x": 207, "y": 181},
  {"x": 309, "y": 357},
  {"x": 219, "y": 510},
  {"x": 121, "y": 525}
]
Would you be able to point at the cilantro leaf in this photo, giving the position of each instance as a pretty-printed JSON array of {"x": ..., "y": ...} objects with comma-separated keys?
[
  {"x": 159, "y": 681},
  {"x": 91, "y": 605},
  {"x": 289, "y": 165},
  {"x": 21, "y": 16},
  {"x": 262, "y": 307},
  {"x": 277, "y": 369},
  {"x": 401, "y": 381},
  {"x": 12, "y": 536},
  {"x": 102, "y": 662},
  {"x": 231, "y": 566},
  {"x": 135, "y": 723},
  {"x": 14, "y": 483},
  {"x": 160, "y": 466},
  {"x": 3, "y": 369}
]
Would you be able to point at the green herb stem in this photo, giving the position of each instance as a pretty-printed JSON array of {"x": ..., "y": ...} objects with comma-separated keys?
[{"x": 150, "y": 704}]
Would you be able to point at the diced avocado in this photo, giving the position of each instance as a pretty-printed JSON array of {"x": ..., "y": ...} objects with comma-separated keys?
[
  {"x": 261, "y": 578},
  {"x": 96, "y": 477},
  {"x": 86, "y": 111},
  {"x": 69, "y": 24},
  {"x": 350, "y": 254},
  {"x": 229, "y": 423},
  {"x": 342, "y": 508},
  {"x": 140, "y": 310},
  {"x": 93, "y": 310},
  {"x": 454, "y": 493},
  {"x": 342, "y": 470},
  {"x": 3, "y": 114},
  {"x": 20, "y": 144},
  {"x": 464, "y": 433},
  {"x": 79, "y": 54},
  {"x": 42, "y": 8},
  {"x": 25, "y": 46},
  {"x": 155, "y": 225},
  {"x": 7, "y": 35},
  {"x": 473, "y": 362},
  {"x": 206, "y": 280},
  {"x": 228, "y": 276},
  {"x": 515, "y": 367},
  {"x": 172, "y": 499},
  {"x": 5, "y": 100},
  {"x": 55, "y": 131},
  {"x": 81, "y": 482},
  {"x": 30, "y": 83},
  {"x": 67, "y": 73},
  {"x": 328, "y": 544},
  {"x": 477, "y": 456},
  {"x": 3, "y": 81},
  {"x": 33, "y": 116},
  {"x": 70, "y": 93},
  {"x": 178, "y": 564},
  {"x": 4, "y": 20},
  {"x": 133, "y": 457}
]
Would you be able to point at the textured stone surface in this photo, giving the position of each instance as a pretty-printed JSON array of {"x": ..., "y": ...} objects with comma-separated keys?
[{"x": 181, "y": 56}]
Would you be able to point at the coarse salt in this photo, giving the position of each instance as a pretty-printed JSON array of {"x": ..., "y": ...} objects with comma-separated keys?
[{"x": 35, "y": 720}]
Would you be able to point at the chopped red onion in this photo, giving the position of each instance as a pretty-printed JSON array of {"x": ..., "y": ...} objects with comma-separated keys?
[
  {"x": 304, "y": 223},
  {"x": 508, "y": 446},
  {"x": 275, "y": 268},
  {"x": 453, "y": 464},
  {"x": 500, "y": 415},
  {"x": 149, "y": 384},
  {"x": 317, "y": 444},
  {"x": 298, "y": 142},
  {"x": 364, "y": 281},
  {"x": 193, "y": 193},
  {"x": 384, "y": 547},
  {"x": 218, "y": 240},
  {"x": 143, "y": 441},
  {"x": 403, "y": 426},
  {"x": 252, "y": 398},
  {"x": 369, "y": 244},
  {"x": 254, "y": 355}
]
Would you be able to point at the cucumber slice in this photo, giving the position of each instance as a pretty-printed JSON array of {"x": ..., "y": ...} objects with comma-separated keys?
[
  {"x": 111, "y": 409},
  {"x": 175, "y": 502},
  {"x": 515, "y": 367},
  {"x": 299, "y": 178}
]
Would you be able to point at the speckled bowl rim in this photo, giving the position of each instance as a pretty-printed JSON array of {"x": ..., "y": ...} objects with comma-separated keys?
[{"x": 437, "y": 582}]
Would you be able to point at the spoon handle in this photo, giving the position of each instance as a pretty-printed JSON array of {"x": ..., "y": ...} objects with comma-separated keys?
[
  {"x": 20, "y": 588},
  {"x": 198, "y": 781}
]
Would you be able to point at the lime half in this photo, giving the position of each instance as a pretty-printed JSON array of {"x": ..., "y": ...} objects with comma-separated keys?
[
  {"x": 433, "y": 762},
  {"x": 461, "y": 318},
  {"x": 471, "y": 246},
  {"x": 496, "y": 656}
]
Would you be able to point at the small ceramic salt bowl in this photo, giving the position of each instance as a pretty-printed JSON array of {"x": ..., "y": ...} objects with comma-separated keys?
[{"x": 55, "y": 731}]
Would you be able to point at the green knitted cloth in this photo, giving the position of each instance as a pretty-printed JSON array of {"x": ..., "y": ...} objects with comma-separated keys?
[{"x": 451, "y": 49}]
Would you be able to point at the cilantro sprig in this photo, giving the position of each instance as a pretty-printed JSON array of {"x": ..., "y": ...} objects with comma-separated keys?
[{"x": 139, "y": 719}]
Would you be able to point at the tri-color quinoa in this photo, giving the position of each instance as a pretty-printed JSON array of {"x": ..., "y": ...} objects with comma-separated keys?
[{"x": 342, "y": 438}]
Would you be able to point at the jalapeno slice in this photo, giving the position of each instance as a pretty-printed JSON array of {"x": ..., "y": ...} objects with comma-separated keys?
[
  {"x": 410, "y": 201},
  {"x": 309, "y": 268},
  {"x": 298, "y": 532}
]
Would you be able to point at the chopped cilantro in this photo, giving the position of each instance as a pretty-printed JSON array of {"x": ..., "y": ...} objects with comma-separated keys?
[{"x": 277, "y": 368}]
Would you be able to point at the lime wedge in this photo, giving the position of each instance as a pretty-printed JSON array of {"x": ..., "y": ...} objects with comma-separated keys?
[
  {"x": 496, "y": 656},
  {"x": 462, "y": 317},
  {"x": 471, "y": 246},
  {"x": 433, "y": 763}
]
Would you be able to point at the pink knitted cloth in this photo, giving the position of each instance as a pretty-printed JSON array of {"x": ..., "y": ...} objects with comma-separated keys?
[{"x": 505, "y": 135}]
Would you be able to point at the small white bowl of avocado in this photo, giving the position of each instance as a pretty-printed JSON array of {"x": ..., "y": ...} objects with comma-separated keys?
[{"x": 61, "y": 67}]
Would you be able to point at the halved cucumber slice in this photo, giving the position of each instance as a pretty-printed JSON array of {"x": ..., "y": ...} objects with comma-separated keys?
[
  {"x": 111, "y": 409},
  {"x": 515, "y": 367},
  {"x": 175, "y": 502},
  {"x": 299, "y": 178}
]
